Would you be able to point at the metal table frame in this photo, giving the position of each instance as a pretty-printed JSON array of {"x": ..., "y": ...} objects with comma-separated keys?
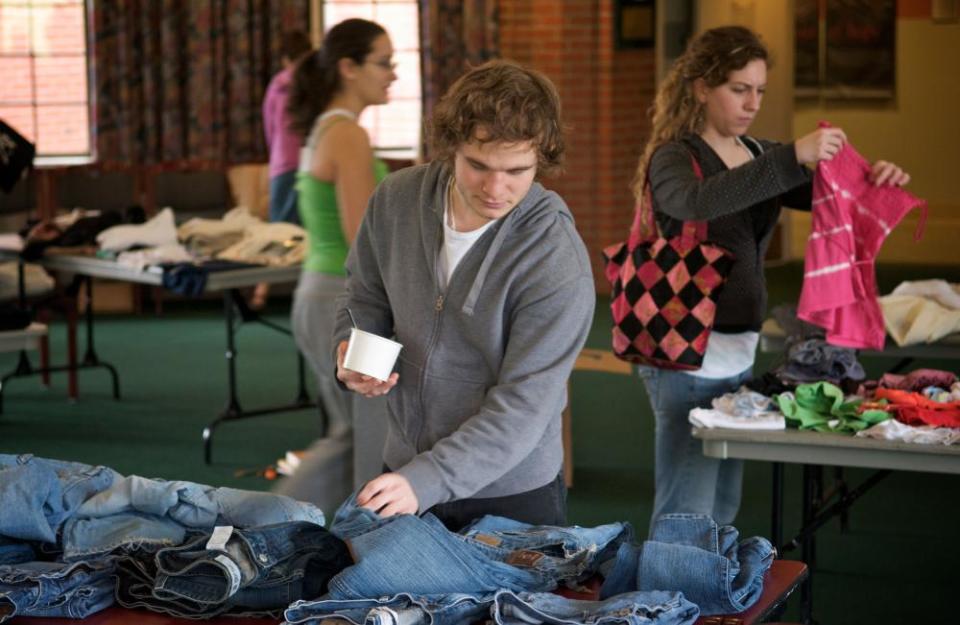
[
  {"x": 236, "y": 312},
  {"x": 773, "y": 340},
  {"x": 813, "y": 450}
]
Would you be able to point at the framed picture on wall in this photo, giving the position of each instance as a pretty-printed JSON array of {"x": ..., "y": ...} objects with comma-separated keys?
[
  {"x": 845, "y": 48},
  {"x": 806, "y": 58},
  {"x": 635, "y": 23}
]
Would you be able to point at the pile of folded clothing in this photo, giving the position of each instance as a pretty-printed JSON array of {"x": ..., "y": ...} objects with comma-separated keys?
[{"x": 75, "y": 539}]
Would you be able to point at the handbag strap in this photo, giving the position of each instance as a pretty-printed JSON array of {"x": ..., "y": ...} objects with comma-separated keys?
[
  {"x": 644, "y": 228},
  {"x": 694, "y": 231}
]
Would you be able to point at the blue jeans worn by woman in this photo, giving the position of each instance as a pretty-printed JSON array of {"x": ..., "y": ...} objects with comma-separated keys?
[
  {"x": 283, "y": 198},
  {"x": 686, "y": 480}
]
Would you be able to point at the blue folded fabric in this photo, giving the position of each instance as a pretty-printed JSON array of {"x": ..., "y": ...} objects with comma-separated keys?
[{"x": 692, "y": 554}]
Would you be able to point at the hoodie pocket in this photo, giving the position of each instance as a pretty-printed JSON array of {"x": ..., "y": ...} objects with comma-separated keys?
[
  {"x": 403, "y": 402},
  {"x": 445, "y": 405}
]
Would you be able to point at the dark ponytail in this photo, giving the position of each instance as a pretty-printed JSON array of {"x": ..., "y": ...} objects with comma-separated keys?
[{"x": 316, "y": 78}]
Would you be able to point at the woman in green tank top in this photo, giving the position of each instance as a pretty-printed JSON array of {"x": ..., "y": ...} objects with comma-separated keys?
[{"x": 353, "y": 69}]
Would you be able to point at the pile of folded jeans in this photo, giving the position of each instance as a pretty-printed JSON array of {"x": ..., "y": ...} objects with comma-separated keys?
[
  {"x": 75, "y": 539},
  {"x": 504, "y": 570},
  {"x": 235, "y": 572},
  {"x": 68, "y": 530}
]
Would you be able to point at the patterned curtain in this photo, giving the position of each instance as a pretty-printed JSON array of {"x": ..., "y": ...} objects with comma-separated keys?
[
  {"x": 454, "y": 36},
  {"x": 183, "y": 80}
]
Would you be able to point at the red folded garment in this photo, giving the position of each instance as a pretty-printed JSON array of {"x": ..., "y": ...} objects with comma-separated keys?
[{"x": 915, "y": 409}]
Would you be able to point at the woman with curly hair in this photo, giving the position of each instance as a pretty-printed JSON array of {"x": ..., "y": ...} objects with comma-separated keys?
[{"x": 702, "y": 111}]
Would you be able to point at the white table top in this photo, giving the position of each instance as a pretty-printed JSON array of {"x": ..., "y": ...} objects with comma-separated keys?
[
  {"x": 819, "y": 448},
  {"x": 216, "y": 281}
]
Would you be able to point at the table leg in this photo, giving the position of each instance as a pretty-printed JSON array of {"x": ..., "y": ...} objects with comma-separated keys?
[
  {"x": 233, "y": 405},
  {"x": 73, "y": 388},
  {"x": 90, "y": 358},
  {"x": 776, "y": 513},
  {"x": 233, "y": 300},
  {"x": 808, "y": 546},
  {"x": 840, "y": 487}
]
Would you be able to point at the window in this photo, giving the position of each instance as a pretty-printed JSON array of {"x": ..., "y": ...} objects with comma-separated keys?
[
  {"x": 43, "y": 70},
  {"x": 395, "y": 127}
]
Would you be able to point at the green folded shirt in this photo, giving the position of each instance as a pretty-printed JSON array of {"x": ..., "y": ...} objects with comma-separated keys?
[{"x": 821, "y": 407}]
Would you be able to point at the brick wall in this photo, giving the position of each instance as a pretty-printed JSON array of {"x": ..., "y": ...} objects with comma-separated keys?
[{"x": 605, "y": 93}]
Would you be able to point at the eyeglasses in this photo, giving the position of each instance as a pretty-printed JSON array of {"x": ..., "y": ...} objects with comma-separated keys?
[{"x": 390, "y": 66}]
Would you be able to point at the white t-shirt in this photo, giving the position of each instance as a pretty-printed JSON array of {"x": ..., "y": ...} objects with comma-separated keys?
[
  {"x": 455, "y": 245},
  {"x": 728, "y": 355}
]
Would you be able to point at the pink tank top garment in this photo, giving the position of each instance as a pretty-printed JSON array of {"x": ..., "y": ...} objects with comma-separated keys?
[{"x": 851, "y": 219}]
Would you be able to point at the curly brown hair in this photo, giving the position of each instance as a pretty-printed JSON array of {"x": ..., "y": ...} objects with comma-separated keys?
[
  {"x": 507, "y": 103},
  {"x": 675, "y": 111}
]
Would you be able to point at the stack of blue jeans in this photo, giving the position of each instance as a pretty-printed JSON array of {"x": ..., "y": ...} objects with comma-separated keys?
[
  {"x": 68, "y": 528},
  {"x": 55, "y": 589},
  {"x": 38, "y": 495},
  {"x": 489, "y": 555},
  {"x": 494, "y": 568},
  {"x": 504, "y": 607},
  {"x": 239, "y": 572},
  {"x": 140, "y": 512},
  {"x": 691, "y": 553}
]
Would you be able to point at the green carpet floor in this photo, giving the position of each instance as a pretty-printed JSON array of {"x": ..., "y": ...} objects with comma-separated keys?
[{"x": 896, "y": 563}]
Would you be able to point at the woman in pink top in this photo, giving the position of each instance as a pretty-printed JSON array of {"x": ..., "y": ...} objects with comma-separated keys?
[{"x": 283, "y": 144}]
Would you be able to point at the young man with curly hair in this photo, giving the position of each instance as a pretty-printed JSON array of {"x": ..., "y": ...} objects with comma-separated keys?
[{"x": 479, "y": 272}]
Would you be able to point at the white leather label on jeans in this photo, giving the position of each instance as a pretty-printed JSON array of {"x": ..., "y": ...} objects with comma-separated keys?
[
  {"x": 233, "y": 573},
  {"x": 218, "y": 539}
]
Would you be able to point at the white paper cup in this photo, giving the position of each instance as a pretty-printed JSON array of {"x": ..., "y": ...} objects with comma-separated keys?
[{"x": 370, "y": 354}]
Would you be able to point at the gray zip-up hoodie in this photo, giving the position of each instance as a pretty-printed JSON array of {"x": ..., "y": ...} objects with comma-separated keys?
[{"x": 484, "y": 365}]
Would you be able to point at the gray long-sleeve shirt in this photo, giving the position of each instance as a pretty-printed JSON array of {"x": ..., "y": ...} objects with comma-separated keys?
[{"x": 484, "y": 365}]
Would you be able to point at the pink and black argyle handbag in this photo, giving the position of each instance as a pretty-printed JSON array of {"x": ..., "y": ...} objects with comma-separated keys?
[{"x": 664, "y": 291}]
